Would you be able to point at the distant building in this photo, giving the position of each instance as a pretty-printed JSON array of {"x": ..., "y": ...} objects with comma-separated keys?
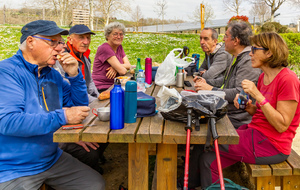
[{"x": 192, "y": 27}]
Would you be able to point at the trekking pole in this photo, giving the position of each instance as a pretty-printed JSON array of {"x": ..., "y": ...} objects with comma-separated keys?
[
  {"x": 188, "y": 129},
  {"x": 215, "y": 137}
]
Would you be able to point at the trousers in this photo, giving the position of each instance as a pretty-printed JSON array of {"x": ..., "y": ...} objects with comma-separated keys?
[{"x": 67, "y": 173}]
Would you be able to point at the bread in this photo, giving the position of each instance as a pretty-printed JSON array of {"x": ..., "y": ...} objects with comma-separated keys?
[
  {"x": 104, "y": 95},
  {"x": 58, "y": 56}
]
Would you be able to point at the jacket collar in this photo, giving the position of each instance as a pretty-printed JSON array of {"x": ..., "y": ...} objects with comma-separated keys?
[{"x": 32, "y": 67}]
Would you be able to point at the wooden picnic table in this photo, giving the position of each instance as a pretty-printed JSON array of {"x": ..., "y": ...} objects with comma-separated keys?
[{"x": 148, "y": 133}]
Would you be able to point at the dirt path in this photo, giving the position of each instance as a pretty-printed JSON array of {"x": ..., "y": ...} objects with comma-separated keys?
[{"x": 116, "y": 167}]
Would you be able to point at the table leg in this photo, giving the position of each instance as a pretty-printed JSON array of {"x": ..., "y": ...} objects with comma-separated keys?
[
  {"x": 138, "y": 166},
  {"x": 166, "y": 166}
]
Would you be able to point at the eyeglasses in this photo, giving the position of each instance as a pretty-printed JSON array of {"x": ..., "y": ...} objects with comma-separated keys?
[
  {"x": 53, "y": 42},
  {"x": 118, "y": 34},
  {"x": 253, "y": 49}
]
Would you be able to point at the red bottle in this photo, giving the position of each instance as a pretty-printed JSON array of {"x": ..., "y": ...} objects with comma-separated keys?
[{"x": 148, "y": 70}]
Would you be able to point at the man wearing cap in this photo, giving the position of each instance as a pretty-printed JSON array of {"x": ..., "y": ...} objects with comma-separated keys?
[
  {"x": 32, "y": 97},
  {"x": 78, "y": 43},
  {"x": 79, "y": 40}
]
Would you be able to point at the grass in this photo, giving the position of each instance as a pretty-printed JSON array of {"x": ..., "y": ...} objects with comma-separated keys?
[{"x": 136, "y": 45}]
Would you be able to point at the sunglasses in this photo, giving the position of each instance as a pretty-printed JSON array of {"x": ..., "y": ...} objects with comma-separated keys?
[
  {"x": 253, "y": 49},
  {"x": 53, "y": 42}
]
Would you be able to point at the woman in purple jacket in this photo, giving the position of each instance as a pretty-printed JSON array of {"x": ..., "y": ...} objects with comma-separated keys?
[{"x": 110, "y": 60}]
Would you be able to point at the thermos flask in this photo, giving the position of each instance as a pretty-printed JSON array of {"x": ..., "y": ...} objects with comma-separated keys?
[
  {"x": 180, "y": 77},
  {"x": 130, "y": 102},
  {"x": 117, "y": 106},
  {"x": 148, "y": 70}
]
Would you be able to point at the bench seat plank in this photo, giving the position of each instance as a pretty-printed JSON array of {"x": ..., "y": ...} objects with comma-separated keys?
[
  {"x": 294, "y": 161},
  {"x": 281, "y": 169}
]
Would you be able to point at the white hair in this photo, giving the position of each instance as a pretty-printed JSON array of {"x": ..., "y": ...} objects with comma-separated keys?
[{"x": 23, "y": 46}]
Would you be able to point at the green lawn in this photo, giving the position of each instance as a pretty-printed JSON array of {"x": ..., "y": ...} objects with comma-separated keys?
[
  {"x": 156, "y": 46},
  {"x": 142, "y": 45}
]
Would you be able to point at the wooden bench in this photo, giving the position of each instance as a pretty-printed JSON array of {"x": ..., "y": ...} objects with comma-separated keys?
[{"x": 286, "y": 174}]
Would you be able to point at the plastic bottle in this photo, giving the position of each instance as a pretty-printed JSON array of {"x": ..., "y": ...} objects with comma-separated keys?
[
  {"x": 180, "y": 78},
  {"x": 141, "y": 81},
  {"x": 117, "y": 106},
  {"x": 130, "y": 102},
  {"x": 138, "y": 67},
  {"x": 148, "y": 70},
  {"x": 243, "y": 99}
]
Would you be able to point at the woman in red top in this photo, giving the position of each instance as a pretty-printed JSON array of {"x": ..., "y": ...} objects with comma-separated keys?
[
  {"x": 110, "y": 60},
  {"x": 267, "y": 139}
]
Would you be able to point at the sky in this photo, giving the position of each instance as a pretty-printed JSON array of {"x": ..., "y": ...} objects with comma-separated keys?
[{"x": 183, "y": 9}]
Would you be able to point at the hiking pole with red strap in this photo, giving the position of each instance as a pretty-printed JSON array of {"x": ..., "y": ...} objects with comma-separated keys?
[
  {"x": 212, "y": 122},
  {"x": 188, "y": 129}
]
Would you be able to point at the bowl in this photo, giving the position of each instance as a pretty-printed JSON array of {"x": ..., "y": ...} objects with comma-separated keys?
[
  {"x": 123, "y": 79},
  {"x": 102, "y": 113}
]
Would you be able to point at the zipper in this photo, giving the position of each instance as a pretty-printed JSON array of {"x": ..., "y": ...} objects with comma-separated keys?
[{"x": 253, "y": 144}]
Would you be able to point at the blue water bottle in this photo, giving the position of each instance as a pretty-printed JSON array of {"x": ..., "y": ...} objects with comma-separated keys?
[
  {"x": 130, "y": 102},
  {"x": 117, "y": 106}
]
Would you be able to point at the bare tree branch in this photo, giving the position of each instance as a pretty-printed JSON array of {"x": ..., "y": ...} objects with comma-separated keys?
[
  {"x": 136, "y": 17},
  {"x": 260, "y": 9},
  {"x": 208, "y": 16},
  {"x": 233, "y": 6},
  {"x": 160, "y": 9},
  {"x": 274, "y": 5}
]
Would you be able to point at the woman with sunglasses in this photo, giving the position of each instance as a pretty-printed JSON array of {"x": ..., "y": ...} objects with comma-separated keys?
[
  {"x": 267, "y": 139},
  {"x": 110, "y": 60}
]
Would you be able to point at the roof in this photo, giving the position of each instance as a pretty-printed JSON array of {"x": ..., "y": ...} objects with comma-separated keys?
[{"x": 183, "y": 26}]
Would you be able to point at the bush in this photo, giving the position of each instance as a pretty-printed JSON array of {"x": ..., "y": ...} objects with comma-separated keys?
[
  {"x": 293, "y": 42},
  {"x": 273, "y": 27}
]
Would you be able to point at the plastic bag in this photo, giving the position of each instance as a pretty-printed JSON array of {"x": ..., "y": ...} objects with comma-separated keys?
[
  {"x": 207, "y": 105},
  {"x": 165, "y": 74}
]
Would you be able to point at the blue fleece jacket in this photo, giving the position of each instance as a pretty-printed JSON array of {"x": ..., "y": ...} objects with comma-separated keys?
[{"x": 30, "y": 111}]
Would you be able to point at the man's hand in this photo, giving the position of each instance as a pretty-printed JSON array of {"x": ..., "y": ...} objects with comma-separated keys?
[
  {"x": 69, "y": 64},
  {"x": 201, "y": 84},
  {"x": 111, "y": 73},
  {"x": 76, "y": 114},
  {"x": 85, "y": 145},
  {"x": 202, "y": 72}
]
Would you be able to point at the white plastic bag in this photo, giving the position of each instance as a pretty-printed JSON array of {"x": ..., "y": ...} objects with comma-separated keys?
[
  {"x": 166, "y": 102},
  {"x": 165, "y": 74}
]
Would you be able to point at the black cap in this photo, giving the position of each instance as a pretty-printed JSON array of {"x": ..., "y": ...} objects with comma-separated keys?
[
  {"x": 42, "y": 27},
  {"x": 80, "y": 29}
]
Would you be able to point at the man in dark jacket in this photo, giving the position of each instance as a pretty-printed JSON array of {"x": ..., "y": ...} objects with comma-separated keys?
[
  {"x": 79, "y": 40},
  {"x": 217, "y": 60},
  {"x": 32, "y": 97},
  {"x": 237, "y": 43}
]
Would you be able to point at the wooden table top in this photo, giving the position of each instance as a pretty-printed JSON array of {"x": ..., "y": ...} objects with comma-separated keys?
[{"x": 152, "y": 129}]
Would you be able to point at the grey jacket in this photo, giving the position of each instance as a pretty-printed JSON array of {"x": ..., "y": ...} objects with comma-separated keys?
[
  {"x": 220, "y": 60},
  {"x": 91, "y": 88},
  {"x": 236, "y": 73}
]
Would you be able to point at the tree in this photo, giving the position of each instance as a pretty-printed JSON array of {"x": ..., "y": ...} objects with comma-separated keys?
[
  {"x": 233, "y": 6},
  {"x": 160, "y": 9},
  {"x": 137, "y": 17},
  {"x": 62, "y": 8},
  {"x": 91, "y": 6},
  {"x": 208, "y": 13},
  {"x": 109, "y": 7},
  {"x": 274, "y": 5},
  {"x": 260, "y": 9}
]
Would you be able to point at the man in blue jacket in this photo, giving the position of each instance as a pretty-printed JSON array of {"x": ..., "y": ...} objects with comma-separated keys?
[{"x": 32, "y": 97}]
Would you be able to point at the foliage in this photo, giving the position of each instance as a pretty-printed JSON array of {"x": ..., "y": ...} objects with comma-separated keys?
[
  {"x": 293, "y": 42},
  {"x": 239, "y": 18},
  {"x": 273, "y": 27}
]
